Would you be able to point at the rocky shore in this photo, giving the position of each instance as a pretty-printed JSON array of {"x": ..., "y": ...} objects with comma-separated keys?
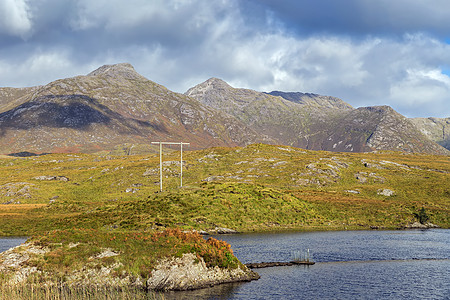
[
  {"x": 417, "y": 225},
  {"x": 187, "y": 273},
  {"x": 173, "y": 273}
]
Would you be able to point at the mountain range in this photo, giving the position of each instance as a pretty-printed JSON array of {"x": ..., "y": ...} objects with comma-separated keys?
[{"x": 114, "y": 105}]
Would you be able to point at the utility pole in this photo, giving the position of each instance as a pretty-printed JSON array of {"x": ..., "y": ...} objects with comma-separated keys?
[{"x": 160, "y": 161}]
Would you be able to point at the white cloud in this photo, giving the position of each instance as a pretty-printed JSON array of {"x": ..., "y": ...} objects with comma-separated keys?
[
  {"x": 181, "y": 43},
  {"x": 15, "y": 18},
  {"x": 422, "y": 88},
  {"x": 39, "y": 68}
]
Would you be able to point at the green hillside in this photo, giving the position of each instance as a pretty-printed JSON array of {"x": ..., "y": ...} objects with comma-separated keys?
[{"x": 255, "y": 188}]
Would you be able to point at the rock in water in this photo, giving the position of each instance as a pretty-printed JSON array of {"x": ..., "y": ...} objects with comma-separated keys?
[{"x": 189, "y": 272}]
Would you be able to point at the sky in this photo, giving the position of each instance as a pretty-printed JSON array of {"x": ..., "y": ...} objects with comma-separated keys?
[{"x": 365, "y": 52}]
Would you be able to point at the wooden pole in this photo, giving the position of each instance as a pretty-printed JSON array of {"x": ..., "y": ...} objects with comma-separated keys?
[
  {"x": 160, "y": 161},
  {"x": 160, "y": 167},
  {"x": 181, "y": 165}
]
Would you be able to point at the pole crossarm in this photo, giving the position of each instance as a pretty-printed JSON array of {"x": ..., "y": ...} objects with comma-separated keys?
[
  {"x": 171, "y": 143},
  {"x": 160, "y": 160}
]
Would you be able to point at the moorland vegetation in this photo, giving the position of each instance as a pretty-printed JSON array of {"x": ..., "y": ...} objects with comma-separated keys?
[{"x": 105, "y": 201}]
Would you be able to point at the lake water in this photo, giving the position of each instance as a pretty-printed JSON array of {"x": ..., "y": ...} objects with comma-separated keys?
[
  {"x": 349, "y": 265},
  {"x": 411, "y": 264},
  {"x": 10, "y": 242}
]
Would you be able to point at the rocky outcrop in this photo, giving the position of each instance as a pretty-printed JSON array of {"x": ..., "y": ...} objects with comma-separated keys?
[
  {"x": 313, "y": 100},
  {"x": 14, "y": 262},
  {"x": 385, "y": 192},
  {"x": 189, "y": 272},
  {"x": 44, "y": 177},
  {"x": 182, "y": 273},
  {"x": 417, "y": 225},
  {"x": 436, "y": 129}
]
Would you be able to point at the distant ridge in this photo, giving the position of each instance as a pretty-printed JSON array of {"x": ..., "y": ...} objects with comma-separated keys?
[
  {"x": 314, "y": 121},
  {"x": 110, "y": 106},
  {"x": 114, "y": 106},
  {"x": 313, "y": 100}
]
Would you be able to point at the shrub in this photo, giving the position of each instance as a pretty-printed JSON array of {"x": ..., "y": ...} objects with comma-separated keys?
[{"x": 422, "y": 216}]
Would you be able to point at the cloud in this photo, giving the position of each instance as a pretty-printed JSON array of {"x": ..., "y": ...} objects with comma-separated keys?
[
  {"x": 381, "y": 56},
  {"x": 360, "y": 17},
  {"x": 41, "y": 67},
  {"x": 15, "y": 18}
]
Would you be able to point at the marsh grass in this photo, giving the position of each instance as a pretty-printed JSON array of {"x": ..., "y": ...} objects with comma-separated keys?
[{"x": 61, "y": 291}]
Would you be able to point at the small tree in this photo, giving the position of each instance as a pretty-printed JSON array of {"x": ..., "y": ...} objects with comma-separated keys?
[{"x": 422, "y": 216}]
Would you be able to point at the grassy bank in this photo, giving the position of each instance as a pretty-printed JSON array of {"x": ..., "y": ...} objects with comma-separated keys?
[
  {"x": 259, "y": 187},
  {"x": 79, "y": 263}
]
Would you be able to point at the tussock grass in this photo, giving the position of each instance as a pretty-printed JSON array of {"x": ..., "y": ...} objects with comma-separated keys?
[{"x": 59, "y": 292}]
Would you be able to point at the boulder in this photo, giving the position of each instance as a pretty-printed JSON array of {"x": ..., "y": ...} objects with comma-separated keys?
[
  {"x": 417, "y": 225},
  {"x": 43, "y": 177},
  {"x": 189, "y": 272},
  {"x": 223, "y": 230},
  {"x": 386, "y": 192}
]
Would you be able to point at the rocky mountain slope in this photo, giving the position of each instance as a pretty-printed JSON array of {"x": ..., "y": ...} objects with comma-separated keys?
[
  {"x": 286, "y": 122},
  {"x": 313, "y": 100},
  {"x": 315, "y": 122},
  {"x": 114, "y": 105},
  {"x": 111, "y": 105},
  {"x": 436, "y": 129}
]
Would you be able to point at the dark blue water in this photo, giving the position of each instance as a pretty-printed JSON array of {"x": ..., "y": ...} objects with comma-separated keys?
[
  {"x": 349, "y": 265},
  {"x": 10, "y": 242}
]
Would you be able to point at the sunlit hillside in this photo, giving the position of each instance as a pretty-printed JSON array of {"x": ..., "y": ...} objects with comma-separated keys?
[{"x": 258, "y": 187}]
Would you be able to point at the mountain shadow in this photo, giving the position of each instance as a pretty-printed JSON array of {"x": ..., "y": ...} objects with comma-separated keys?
[{"x": 68, "y": 111}]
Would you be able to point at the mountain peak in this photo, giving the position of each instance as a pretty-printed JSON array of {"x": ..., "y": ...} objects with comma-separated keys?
[
  {"x": 216, "y": 81},
  {"x": 121, "y": 69},
  {"x": 211, "y": 84}
]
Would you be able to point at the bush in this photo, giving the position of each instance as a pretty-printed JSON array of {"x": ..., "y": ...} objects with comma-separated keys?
[{"x": 422, "y": 216}]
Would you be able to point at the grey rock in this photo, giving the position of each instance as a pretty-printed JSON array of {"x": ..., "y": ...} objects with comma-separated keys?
[
  {"x": 361, "y": 178},
  {"x": 385, "y": 192},
  {"x": 213, "y": 178},
  {"x": 189, "y": 272},
  {"x": 223, "y": 230},
  {"x": 353, "y": 192},
  {"x": 417, "y": 225},
  {"x": 43, "y": 177}
]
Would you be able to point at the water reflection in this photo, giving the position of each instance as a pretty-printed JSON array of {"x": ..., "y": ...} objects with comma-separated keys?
[{"x": 222, "y": 291}]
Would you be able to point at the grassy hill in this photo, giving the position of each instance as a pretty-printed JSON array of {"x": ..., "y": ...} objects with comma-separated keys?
[{"x": 255, "y": 188}]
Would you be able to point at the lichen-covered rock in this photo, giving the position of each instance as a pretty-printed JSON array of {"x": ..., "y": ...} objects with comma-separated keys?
[
  {"x": 386, "y": 192},
  {"x": 189, "y": 272},
  {"x": 417, "y": 225},
  {"x": 13, "y": 262}
]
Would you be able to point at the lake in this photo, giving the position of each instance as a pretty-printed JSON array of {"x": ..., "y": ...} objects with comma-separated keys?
[
  {"x": 413, "y": 264},
  {"x": 10, "y": 242}
]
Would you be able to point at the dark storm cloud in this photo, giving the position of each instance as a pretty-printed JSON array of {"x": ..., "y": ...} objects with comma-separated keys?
[
  {"x": 366, "y": 52},
  {"x": 361, "y": 17}
]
